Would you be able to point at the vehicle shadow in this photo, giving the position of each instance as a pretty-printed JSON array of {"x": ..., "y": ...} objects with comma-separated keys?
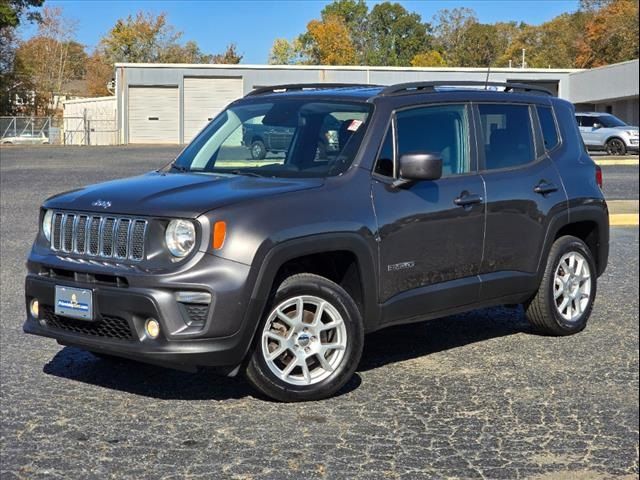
[
  {"x": 405, "y": 342},
  {"x": 385, "y": 347}
]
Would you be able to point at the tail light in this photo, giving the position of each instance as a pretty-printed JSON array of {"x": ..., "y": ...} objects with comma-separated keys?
[{"x": 599, "y": 176}]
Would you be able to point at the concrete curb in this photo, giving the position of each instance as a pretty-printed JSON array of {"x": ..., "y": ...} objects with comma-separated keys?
[{"x": 622, "y": 161}]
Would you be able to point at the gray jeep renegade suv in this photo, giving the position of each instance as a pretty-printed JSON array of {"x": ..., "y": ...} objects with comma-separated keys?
[{"x": 437, "y": 200}]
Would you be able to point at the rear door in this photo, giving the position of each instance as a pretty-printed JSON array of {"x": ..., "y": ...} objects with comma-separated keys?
[
  {"x": 523, "y": 191},
  {"x": 430, "y": 233}
]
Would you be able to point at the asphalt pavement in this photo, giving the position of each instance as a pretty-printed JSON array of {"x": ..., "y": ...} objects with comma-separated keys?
[{"x": 470, "y": 396}]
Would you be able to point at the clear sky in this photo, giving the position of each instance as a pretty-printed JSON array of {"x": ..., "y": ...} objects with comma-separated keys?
[{"x": 254, "y": 24}]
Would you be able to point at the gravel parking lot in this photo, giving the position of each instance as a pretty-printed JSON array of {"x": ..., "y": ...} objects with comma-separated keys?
[{"x": 470, "y": 396}]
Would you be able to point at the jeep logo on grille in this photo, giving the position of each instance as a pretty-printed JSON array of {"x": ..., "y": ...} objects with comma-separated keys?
[{"x": 101, "y": 203}]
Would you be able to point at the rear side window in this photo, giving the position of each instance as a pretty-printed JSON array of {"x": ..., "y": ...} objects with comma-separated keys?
[
  {"x": 588, "y": 121},
  {"x": 507, "y": 135},
  {"x": 442, "y": 129},
  {"x": 548, "y": 127}
]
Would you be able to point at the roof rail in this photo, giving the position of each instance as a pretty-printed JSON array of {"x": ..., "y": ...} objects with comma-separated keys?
[
  {"x": 304, "y": 86},
  {"x": 418, "y": 87}
]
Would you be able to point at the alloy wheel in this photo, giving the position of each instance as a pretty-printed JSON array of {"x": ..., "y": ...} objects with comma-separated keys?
[
  {"x": 304, "y": 340},
  {"x": 572, "y": 286}
]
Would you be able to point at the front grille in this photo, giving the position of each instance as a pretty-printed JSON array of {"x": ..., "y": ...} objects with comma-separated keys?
[
  {"x": 107, "y": 326},
  {"x": 99, "y": 236}
]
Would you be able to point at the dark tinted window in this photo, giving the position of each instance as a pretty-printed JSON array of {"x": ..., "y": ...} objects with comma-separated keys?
[
  {"x": 384, "y": 166},
  {"x": 610, "y": 121},
  {"x": 506, "y": 134},
  {"x": 588, "y": 121},
  {"x": 548, "y": 126},
  {"x": 439, "y": 129}
]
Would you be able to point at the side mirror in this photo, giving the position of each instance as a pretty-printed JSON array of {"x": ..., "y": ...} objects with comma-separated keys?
[
  {"x": 420, "y": 166},
  {"x": 597, "y": 125}
]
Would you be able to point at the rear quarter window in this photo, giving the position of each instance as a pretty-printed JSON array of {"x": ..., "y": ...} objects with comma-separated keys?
[
  {"x": 507, "y": 135},
  {"x": 548, "y": 127}
]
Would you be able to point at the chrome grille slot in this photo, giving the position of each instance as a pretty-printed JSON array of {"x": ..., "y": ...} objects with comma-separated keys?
[
  {"x": 94, "y": 236},
  {"x": 56, "y": 236},
  {"x": 67, "y": 232},
  {"x": 81, "y": 234},
  {"x": 121, "y": 238},
  {"x": 107, "y": 236},
  {"x": 137, "y": 239}
]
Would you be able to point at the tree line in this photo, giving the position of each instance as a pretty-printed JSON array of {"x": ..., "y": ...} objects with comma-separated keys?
[
  {"x": 600, "y": 32},
  {"x": 34, "y": 72}
]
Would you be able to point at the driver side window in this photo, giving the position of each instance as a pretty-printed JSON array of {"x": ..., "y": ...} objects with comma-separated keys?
[{"x": 441, "y": 129}]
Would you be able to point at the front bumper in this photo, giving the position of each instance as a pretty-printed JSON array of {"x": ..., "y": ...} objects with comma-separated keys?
[{"x": 220, "y": 338}]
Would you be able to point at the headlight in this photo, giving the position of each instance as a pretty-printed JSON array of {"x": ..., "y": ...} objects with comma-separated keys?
[
  {"x": 46, "y": 224},
  {"x": 180, "y": 237},
  {"x": 632, "y": 133}
]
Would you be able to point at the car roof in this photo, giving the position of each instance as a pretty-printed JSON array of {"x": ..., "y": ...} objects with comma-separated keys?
[
  {"x": 593, "y": 114},
  {"x": 365, "y": 92}
]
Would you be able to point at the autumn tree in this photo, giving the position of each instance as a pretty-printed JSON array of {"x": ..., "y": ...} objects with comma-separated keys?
[
  {"x": 552, "y": 44},
  {"x": 610, "y": 35},
  {"x": 327, "y": 42},
  {"x": 355, "y": 15},
  {"x": 284, "y": 52},
  {"x": 229, "y": 56},
  {"x": 395, "y": 36},
  {"x": 432, "y": 58},
  {"x": 450, "y": 29},
  {"x": 99, "y": 72},
  {"x": 49, "y": 60},
  {"x": 146, "y": 38},
  {"x": 12, "y": 14}
]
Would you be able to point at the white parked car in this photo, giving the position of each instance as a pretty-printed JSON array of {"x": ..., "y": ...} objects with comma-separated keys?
[
  {"x": 603, "y": 131},
  {"x": 27, "y": 139}
]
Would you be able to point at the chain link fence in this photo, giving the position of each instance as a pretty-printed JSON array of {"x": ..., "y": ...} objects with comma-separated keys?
[
  {"x": 71, "y": 130},
  {"x": 30, "y": 130}
]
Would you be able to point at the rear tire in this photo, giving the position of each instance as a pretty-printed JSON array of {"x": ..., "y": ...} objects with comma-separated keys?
[
  {"x": 564, "y": 300},
  {"x": 309, "y": 342}
]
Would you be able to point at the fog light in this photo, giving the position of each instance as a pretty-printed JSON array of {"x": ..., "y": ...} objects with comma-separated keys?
[
  {"x": 34, "y": 307},
  {"x": 152, "y": 327}
]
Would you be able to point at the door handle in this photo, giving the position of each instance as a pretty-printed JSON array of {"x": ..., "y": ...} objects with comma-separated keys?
[
  {"x": 466, "y": 199},
  {"x": 545, "y": 187}
]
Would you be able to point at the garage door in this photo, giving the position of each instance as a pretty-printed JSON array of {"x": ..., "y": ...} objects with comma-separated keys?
[
  {"x": 204, "y": 98},
  {"x": 154, "y": 115}
]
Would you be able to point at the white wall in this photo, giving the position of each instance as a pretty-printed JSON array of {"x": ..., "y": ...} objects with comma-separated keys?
[{"x": 90, "y": 121}]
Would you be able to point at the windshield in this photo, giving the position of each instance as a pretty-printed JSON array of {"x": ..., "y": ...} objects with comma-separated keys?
[
  {"x": 610, "y": 121},
  {"x": 284, "y": 138}
]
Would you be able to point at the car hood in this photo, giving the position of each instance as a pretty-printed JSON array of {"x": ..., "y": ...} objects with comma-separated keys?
[
  {"x": 627, "y": 127},
  {"x": 185, "y": 195}
]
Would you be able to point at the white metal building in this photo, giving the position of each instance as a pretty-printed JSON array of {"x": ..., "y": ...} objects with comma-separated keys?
[{"x": 170, "y": 103}]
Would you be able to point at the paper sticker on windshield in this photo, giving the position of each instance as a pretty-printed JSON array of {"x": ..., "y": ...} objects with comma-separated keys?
[{"x": 354, "y": 125}]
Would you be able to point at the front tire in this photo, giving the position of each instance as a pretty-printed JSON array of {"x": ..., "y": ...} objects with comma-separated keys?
[
  {"x": 258, "y": 150},
  {"x": 615, "y": 146},
  {"x": 565, "y": 297},
  {"x": 309, "y": 342}
]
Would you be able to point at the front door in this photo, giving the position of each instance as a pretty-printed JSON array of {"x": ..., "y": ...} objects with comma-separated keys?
[
  {"x": 590, "y": 134},
  {"x": 430, "y": 232}
]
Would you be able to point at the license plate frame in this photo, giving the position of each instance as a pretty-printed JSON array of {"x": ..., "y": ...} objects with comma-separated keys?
[{"x": 74, "y": 302}]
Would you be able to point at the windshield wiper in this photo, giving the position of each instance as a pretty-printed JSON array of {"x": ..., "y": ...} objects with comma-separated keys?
[
  {"x": 179, "y": 168},
  {"x": 241, "y": 172}
]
